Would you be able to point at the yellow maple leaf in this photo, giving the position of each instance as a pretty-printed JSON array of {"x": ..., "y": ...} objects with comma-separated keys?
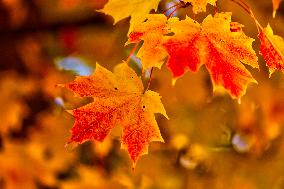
[
  {"x": 137, "y": 9},
  {"x": 151, "y": 53}
]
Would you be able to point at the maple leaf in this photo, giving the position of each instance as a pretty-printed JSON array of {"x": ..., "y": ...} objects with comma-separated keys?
[
  {"x": 213, "y": 44},
  {"x": 118, "y": 100},
  {"x": 275, "y": 4},
  {"x": 152, "y": 54},
  {"x": 272, "y": 49},
  {"x": 200, "y": 5},
  {"x": 137, "y": 9}
]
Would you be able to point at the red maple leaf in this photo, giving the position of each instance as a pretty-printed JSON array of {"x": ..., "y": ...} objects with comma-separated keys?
[
  {"x": 272, "y": 49},
  {"x": 119, "y": 100}
]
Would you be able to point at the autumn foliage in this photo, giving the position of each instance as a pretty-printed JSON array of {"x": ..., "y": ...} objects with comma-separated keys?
[
  {"x": 90, "y": 87},
  {"x": 211, "y": 44},
  {"x": 217, "y": 42}
]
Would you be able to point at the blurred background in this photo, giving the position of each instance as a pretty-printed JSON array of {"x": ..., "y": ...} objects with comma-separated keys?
[{"x": 211, "y": 140}]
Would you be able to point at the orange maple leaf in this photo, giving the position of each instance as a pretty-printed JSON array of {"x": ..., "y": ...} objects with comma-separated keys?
[
  {"x": 272, "y": 49},
  {"x": 118, "y": 100},
  {"x": 189, "y": 45},
  {"x": 151, "y": 54}
]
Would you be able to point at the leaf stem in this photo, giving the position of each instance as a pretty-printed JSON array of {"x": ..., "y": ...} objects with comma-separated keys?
[
  {"x": 149, "y": 80},
  {"x": 131, "y": 53}
]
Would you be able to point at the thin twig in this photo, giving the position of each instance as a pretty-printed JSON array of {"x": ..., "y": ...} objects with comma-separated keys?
[
  {"x": 247, "y": 8},
  {"x": 172, "y": 13},
  {"x": 175, "y": 5}
]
